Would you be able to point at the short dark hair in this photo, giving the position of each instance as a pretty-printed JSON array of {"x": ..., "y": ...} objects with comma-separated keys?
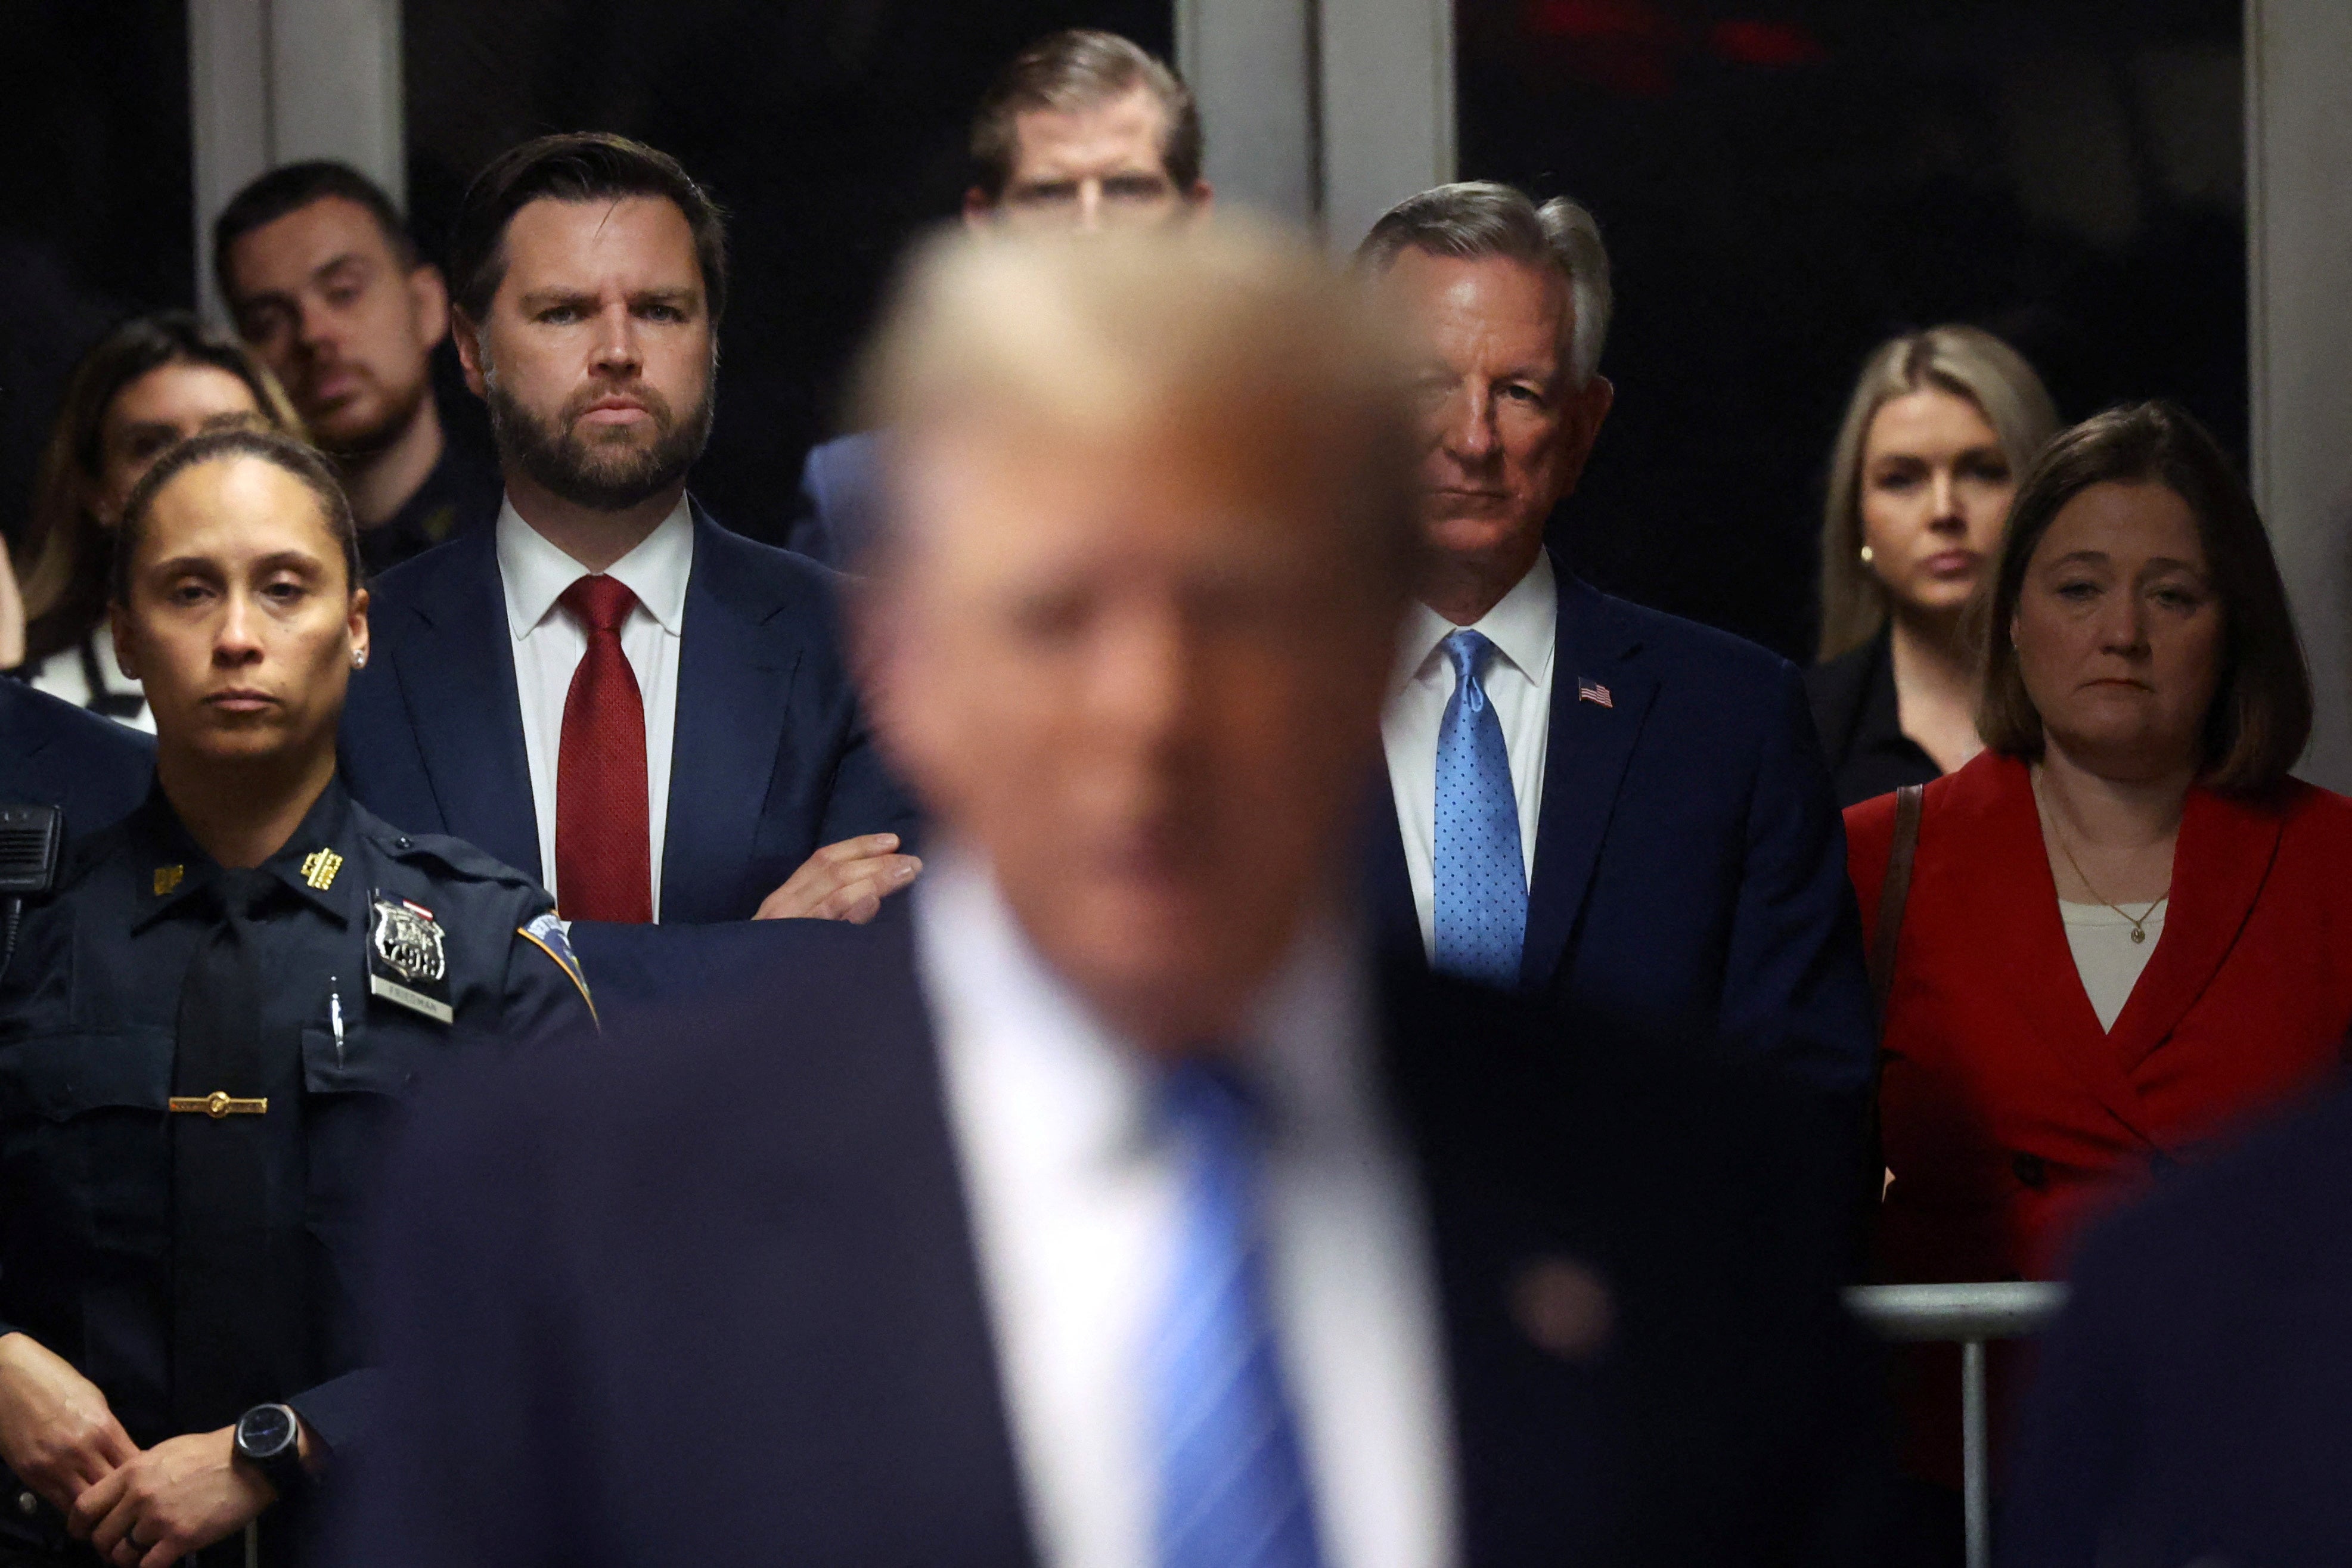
[
  {"x": 2260, "y": 717},
  {"x": 1079, "y": 68},
  {"x": 292, "y": 187},
  {"x": 295, "y": 457},
  {"x": 575, "y": 166}
]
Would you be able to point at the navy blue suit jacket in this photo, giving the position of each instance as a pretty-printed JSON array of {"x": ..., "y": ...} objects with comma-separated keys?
[
  {"x": 715, "y": 1293},
  {"x": 1690, "y": 863},
  {"x": 771, "y": 761},
  {"x": 2194, "y": 1401},
  {"x": 832, "y": 518},
  {"x": 54, "y": 754}
]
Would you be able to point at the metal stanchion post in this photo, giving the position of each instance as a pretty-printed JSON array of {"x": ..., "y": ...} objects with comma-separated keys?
[{"x": 1975, "y": 1461}]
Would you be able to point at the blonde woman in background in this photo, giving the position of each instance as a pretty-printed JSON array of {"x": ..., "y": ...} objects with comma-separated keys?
[
  {"x": 1941, "y": 426},
  {"x": 152, "y": 382}
]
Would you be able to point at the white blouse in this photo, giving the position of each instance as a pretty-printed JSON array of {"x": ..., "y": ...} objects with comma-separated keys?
[{"x": 2105, "y": 954}]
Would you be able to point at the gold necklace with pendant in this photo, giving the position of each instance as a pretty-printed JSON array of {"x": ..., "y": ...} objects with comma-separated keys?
[{"x": 2139, "y": 923}]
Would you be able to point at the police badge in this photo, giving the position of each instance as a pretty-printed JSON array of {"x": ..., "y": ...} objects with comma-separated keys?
[{"x": 408, "y": 964}]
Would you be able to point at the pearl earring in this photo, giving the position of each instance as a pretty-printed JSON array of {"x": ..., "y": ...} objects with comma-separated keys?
[
  {"x": 359, "y": 661},
  {"x": 1867, "y": 556}
]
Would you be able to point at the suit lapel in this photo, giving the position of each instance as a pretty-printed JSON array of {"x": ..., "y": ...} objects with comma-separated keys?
[
  {"x": 457, "y": 674},
  {"x": 734, "y": 687},
  {"x": 2221, "y": 860},
  {"x": 1585, "y": 758}
]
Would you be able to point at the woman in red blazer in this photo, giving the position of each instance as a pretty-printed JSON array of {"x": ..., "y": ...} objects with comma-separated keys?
[{"x": 2127, "y": 930}]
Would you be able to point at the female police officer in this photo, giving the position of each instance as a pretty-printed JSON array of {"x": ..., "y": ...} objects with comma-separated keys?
[{"x": 208, "y": 1033}]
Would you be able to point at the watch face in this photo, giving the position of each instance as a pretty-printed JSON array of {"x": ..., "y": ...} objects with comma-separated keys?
[{"x": 264, "y": 1430}]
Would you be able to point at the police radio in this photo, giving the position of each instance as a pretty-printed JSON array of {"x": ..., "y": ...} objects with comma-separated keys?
[{"x": 32, "y": 839}]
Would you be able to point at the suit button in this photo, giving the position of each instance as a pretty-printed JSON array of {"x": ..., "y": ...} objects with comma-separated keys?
[
  {"x": 403, "y": 842},
  {"x": 2029, "y": 1169},
  {"x": 1562, "y": 1307}
]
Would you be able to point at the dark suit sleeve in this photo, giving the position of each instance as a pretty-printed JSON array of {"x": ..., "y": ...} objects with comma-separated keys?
[
  {"x": 864, "y": 797},
  {"x": 471, "y": 1459},
  {"x": 1795, "y": 990}
]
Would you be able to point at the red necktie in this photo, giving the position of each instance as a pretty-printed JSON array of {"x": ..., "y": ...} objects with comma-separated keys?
[{"x": 603, "y": 858}]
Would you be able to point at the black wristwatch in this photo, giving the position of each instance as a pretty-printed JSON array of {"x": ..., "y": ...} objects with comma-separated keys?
[{"x": 269, "y": 1440}]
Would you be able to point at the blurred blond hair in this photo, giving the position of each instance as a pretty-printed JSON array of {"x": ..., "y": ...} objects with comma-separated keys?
[
  {"x": 1966, "y": 362},
  {"x": 1224, "y": 332}
]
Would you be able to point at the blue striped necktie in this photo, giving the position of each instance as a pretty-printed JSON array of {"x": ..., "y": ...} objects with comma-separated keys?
[
  {"x": 1479, "y": 876},
  {"x": 1232, "y": 1478}
]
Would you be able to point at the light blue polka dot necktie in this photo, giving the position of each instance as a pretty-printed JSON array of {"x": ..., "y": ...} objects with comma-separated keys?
[
  {"x": 1232, "y": 1478},
  {"x": 1479, "y": 876}
]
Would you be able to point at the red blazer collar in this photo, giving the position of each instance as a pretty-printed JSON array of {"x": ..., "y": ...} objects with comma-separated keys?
[{"x": 2222, "y": 859}]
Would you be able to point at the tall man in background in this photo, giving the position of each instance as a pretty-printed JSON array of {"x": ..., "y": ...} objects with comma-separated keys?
[
  {"x": 1102, "y": 1211},
  {"x": 1591, "y": 801},
  {"x": 327, "y": 284},
  {"x": 1084, "y": 132},
  {"x": 650, "y": 715}
]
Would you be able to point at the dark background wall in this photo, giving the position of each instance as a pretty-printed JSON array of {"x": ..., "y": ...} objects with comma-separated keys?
[
  {"x": 1783, "y": 184},
  {"x": 95, "y": 202}
]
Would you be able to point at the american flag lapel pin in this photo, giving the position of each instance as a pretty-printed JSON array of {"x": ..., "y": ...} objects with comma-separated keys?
[{"x": 1592, "y": 692}]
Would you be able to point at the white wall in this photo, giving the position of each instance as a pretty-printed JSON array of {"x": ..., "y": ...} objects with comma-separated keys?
[{"x": 2299, "y": 333}]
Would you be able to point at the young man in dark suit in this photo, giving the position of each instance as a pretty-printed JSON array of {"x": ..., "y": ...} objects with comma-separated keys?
[
  {"x": 1588, "y": 801},
  {"x": 650, "y": 715},
  {"x": 1104, "y": 1210}
]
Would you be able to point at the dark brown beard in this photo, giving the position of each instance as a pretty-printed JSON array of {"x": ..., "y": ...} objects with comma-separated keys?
[{"x": 602, "y": 479}]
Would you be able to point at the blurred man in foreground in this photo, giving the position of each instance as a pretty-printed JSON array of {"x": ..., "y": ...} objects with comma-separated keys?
[
  {"x": 2190, "y": 1404},
  {"x": 1083, "y": 133},
  {"x": 1102, "y": 1209}
]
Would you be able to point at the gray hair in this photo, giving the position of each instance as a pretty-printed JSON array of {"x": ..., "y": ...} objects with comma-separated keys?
[{"x": 1480, "y": 218}]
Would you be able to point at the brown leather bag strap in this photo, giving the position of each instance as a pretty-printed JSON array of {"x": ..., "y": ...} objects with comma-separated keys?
[{"x": 1893, "y": 893}]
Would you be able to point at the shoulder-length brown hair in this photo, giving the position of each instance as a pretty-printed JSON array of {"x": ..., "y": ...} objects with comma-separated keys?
[
  {"x": 66, "y": 554},
  {"x": 1966, "y": 362},
  {"x": 2260, "y": 717}
]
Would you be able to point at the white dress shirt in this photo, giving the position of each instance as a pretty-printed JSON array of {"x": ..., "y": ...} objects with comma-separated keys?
[
  {"x": 547, "y": 646},
  {"x": 1518, "y": 678},
  {"x": 1074, "y": 1196}
]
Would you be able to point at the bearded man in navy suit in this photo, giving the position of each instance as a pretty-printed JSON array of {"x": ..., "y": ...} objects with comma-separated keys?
[
  {"x": 651, "y": 716},
  {"x": 1587, "y": 800}
]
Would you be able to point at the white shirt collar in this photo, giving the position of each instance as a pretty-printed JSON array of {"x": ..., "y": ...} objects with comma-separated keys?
[
  {"x": 1310, "y": 1047},
  {"x": 1523, "y": 626},
  {"x": 535, "y": 573}
]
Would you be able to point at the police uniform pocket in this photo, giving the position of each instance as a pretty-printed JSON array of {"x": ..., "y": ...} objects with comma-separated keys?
[
  {"x": 59, "y": 1077},
  {"x": 365, "y": 1060}
]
